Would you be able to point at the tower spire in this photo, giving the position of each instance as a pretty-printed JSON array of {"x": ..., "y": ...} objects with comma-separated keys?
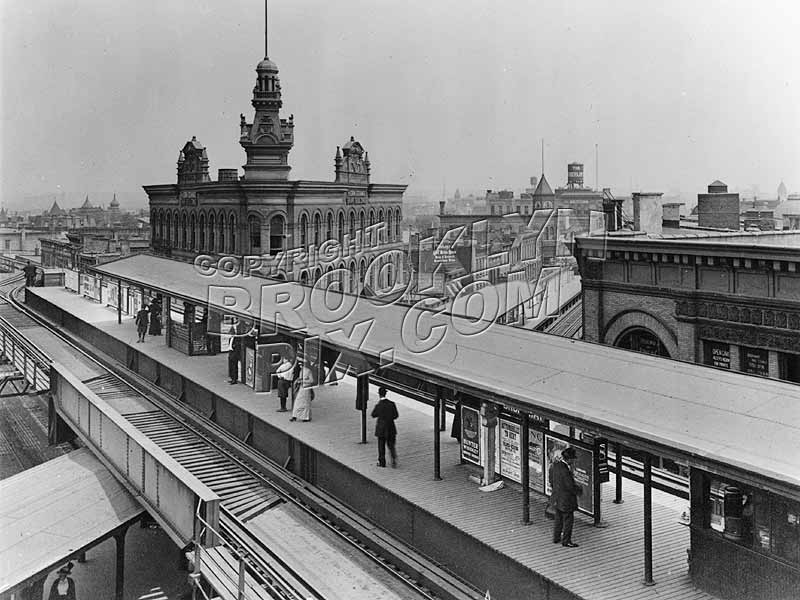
[{"x": 266, "y": 29}]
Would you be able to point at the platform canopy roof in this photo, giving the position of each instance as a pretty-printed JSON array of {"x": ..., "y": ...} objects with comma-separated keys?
[
  {"x": 51, "y": 512},
  {"x": 740, "y": 425}
]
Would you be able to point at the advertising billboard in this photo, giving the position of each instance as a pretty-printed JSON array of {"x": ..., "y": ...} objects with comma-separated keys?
[
  {"x": 470, "y": 435},
  {"x": 582, "y": 471}
]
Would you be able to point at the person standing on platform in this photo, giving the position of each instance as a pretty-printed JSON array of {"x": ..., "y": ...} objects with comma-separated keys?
[
  {"x": 155, "y": 317},
  {"x": 303, "y": 395},
  {"x": 564, "y": 497},
  {"x": 235, "y": 354},
  {"x": 63, "y": 588},
  {"x": 285, "y": 377},
  {"x": 385, "y": 412},
  {"x": 141, "y": 322},
  {"x": 30, "y": 274}
]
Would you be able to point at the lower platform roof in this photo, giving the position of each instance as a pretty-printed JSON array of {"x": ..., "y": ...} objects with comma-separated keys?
[
  {"x": 53, "y": 511},
  {"x": 745, "y": 425}
]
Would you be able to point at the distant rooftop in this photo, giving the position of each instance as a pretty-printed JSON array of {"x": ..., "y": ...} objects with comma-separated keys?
[{"x": 776, "y": 239}]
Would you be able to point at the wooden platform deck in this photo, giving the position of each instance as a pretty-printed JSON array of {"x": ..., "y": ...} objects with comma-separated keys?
[{"x": 608, "y": 565}]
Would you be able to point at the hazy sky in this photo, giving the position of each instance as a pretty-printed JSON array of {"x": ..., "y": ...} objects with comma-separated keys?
[{"x": 101, "y": 96}]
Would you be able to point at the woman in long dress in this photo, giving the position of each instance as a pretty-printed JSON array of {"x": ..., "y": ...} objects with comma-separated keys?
[{"x": 303, "y": 395}]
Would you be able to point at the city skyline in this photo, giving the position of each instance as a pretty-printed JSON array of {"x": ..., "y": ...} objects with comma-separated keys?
[{"x": 452, "y": 94}]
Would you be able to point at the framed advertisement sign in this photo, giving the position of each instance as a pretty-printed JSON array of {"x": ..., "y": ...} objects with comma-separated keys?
[
  {"x": 470, "y": 435},
  {"x": 510, "y": 452},
  {"x": 249, "y": 366},
  {"x": 71, "y": 280},
  {"x": 536, "y": 459},
  {"x": 582, "y": 471}
]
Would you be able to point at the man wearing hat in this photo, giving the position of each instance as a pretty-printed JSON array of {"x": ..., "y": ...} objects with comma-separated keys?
[
  {"x": 564, "y": 497},
  {"x": 63, "y": 588}
]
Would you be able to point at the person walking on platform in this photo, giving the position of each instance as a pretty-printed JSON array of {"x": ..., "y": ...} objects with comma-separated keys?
[
  {"x": 303, "y": 395},
  {"x": 385, "y": 412},
  {"x": 141, "y": 322},
  {"x": 285, "y": 378},
  {"x": 63, "y": 588},
  {"x": 564, "y": 497},
  {"x": 235, "y": 354}
]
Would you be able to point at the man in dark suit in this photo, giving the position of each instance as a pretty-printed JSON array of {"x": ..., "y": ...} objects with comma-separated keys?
[
  {"x": 385, "y": 412},
  {"x": 564, "y": 497},
  {"x": 235, "y": 354}
]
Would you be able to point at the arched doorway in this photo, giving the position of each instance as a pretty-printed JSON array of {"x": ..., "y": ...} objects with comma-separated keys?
[{"x": 643, "y": 340}]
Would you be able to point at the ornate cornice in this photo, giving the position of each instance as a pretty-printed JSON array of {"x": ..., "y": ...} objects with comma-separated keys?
[{"x": 718, "y": 310}]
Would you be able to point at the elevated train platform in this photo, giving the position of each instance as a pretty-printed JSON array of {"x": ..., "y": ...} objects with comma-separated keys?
[
  {"x": 468, "y": 531},
  {"x": 725, "y": 427}
]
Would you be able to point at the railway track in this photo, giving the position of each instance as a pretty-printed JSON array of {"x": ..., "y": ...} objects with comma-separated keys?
[{"x": 248, "y": 484}]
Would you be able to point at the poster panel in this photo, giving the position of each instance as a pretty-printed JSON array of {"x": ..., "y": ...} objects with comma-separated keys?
[
  {"x": 582, "y": 471},
  {"x": 536, "y": 459},
  {"x": 87, "y": 285},
  {"x": 71, "y": 280},
  {"x": 470, "y": 435},
  {"x": 112, "y": 295},
  {"x": 510, "y": 451},
  {"x": 249, "y": 366}
]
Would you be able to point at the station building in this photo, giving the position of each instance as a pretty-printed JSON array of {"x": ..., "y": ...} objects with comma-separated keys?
[
  {"x": 298, "y": 229},
  {"x": 728, "y": 300}
]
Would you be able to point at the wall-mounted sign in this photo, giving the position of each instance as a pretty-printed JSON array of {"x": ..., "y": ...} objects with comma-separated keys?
[
  {"x": 71, "y": 280},
  {"x": 470, "y": 435},
  {"x": 510, "y": 455},
  {"x": 755, "y": 361},
  {"x": 249, "y": 366},
  {"x": 536, "y": 459},
  {"x": 355, "y": 197}
]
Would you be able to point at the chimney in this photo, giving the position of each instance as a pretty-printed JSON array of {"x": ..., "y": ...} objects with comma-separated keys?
[
  {"x": 441, "y": 207},
  {"x": 647, "y": 212}
]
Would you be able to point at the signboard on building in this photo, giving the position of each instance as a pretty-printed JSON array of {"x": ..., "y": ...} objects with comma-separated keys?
[
  {"x": 719, "y": 355},
  {"x": 90, "y": 287},
  {"x": 582, "y": 471},
  {"x": 355, "y": 197},
  {"x": 470, "y": 435},
  {"x": 444, "y": 256},
  {"x": 755, "y": 361}
]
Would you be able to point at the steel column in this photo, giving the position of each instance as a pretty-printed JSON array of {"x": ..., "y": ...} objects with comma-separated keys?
[
  {"x": 648, "y": 520},
  {"x": 525, "y": 471},
  {"x": 443, "y": 415},
  {"x": 618, "y": 492},
  {"x": 119, "y": 580},
  {"x": 437, "y": 458},
  {"x": 119, "y": 301}
]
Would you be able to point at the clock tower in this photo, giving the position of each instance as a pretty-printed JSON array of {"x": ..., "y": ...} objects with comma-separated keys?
[{"x": 269, "y": 138}]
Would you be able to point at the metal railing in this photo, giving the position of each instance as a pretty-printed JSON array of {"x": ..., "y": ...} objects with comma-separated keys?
[{"x": 29, "y": 360}]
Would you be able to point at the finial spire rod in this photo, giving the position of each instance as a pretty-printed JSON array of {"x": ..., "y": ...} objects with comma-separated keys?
[
  {"x": 542, "y": 156},
  {"x": 266, "y": 29}
]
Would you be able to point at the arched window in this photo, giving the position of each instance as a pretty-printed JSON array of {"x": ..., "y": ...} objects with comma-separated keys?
[
  {"x": 254, "y": 226},
  {"x": 303, "y": 230},
  {"x": 221, "y": 241},
  {"x": 381, "y": 238},
  {"x": 399, "y": 217},
  {"x": 371, "y": 216},
  {"x": 154, "y": 227},
  {"x": 304, "y": 278},
  {"x": 353, "y": 280},
  {"x": 193, "y": 230},
  {"x": 169, "y": 229},
  {"x": 161, "y": 226},
  {"x": 361, "y": 221},
  {"x": 362, "y": 273},
  {"x": 202, "y": 233},
  {"x": 183, "y": 231},
  {"x": 352, "y": 224},
  {"x": 176, "y": 226},
  {"x": 390, "y": 220},
  {"x": 212, "y": 233},
  {"x": 275, "y": 235},
  {"x": 232, "y": 234},
  {"x": 341, "y": 227},
  {"x": 329, "y": 226},
  {"x": 317, "y": 227},
  {"x": 640, "y": 339}
]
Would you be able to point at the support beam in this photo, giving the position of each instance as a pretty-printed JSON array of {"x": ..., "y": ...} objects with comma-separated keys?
[
  {"x": 362, "y": 397},
  {"x": 437, "y": 457},
  {"x": 119, "y": 580},
  {"x": 525, "y": 470},
  {"x": 648, "y": 520},
  {"x": 443, "y": 415},
  {"x": 618, "y": 488}
]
